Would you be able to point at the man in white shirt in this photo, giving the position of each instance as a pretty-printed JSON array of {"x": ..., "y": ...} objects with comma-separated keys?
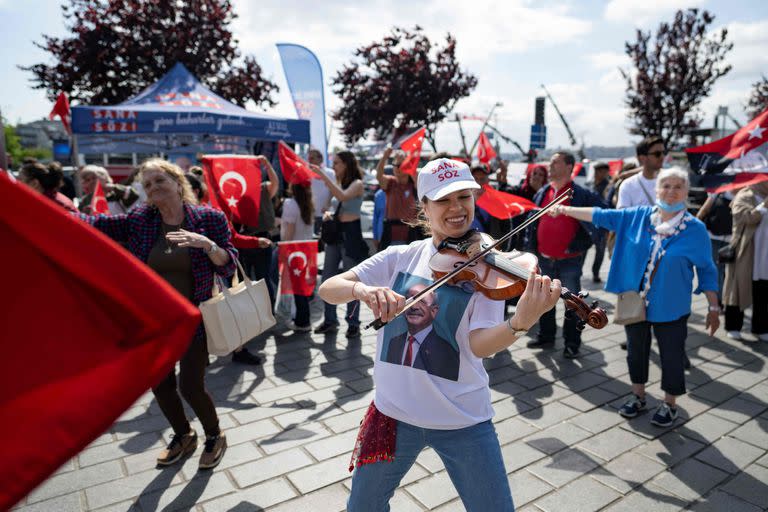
[
  {"x": 321, "y": 196},
  {"x": 640, "y": 189}
]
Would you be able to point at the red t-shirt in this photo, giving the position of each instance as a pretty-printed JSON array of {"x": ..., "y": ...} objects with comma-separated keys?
[
  {"x": 401, "y": 199},
  {"x": 555, "y": 234}
]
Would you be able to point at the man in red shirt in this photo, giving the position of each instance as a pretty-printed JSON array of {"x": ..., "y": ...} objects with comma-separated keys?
[
  {"x": 560, "y": 245},
  {"x": 401, "y": 202}
]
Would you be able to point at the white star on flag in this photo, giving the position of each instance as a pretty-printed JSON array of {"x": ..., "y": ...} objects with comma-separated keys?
[
  {"x": 232, "y": 202},
  {"x": 296, "y": 272},
  {"x": 756, "y": 132}
]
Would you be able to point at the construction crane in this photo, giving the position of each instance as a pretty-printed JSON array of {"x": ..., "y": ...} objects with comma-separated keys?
[{"x": 565, "y": 123}]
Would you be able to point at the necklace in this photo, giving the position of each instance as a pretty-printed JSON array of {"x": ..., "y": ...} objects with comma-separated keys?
[{"x": 169, "y": 247}]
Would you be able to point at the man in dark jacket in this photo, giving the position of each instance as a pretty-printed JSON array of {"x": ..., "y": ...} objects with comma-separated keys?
[{"x": 560, "y": 245}]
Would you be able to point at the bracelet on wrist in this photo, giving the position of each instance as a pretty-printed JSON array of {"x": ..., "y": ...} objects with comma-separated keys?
[
  {"x": 713, "y": 309},
  {"x": 515, "y": 332},
  {"x": 353, "y": 289}
]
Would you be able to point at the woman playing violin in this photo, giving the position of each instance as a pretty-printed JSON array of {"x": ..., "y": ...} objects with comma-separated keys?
[{"x": 431, "y": 388}]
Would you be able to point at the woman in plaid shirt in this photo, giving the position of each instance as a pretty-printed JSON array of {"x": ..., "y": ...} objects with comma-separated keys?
[{"x": 185, "y": 244}]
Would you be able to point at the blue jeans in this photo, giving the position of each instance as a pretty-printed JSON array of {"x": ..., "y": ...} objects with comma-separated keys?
[
  {"x": 568, "y": 271},
  {"x": 472, "y": 458},
  {"x": 335, "y": 254}
]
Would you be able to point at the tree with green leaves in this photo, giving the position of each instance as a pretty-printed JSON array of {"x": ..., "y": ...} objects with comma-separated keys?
[
  {"x": 673, "y": 71},
  {"x": 119, "y": 47},
  {"x": 399, "y": 83}
]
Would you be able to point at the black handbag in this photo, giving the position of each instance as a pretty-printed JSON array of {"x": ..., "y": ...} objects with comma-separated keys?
[
  {"x": 330, "y": 230},
  {"x": 727, "y": 254}
]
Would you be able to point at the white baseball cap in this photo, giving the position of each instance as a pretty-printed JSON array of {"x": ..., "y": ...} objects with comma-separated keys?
[{"x": 442, "y": 176}]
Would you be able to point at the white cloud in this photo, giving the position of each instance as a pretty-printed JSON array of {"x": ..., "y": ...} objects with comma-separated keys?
[
  {"x": 643, "y": 12},
  {"x": 608, "y": 60},
  {"x": 749, "y": 56}
]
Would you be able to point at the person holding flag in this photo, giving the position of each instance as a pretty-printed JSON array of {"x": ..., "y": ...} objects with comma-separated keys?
[{"x": 119, "y": 198}]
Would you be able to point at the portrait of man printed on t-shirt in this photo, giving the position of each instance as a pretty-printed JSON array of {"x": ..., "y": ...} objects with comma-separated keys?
[{"x": 423, "y": 337}]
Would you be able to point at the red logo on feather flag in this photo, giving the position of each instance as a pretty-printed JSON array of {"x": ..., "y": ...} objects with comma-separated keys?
[
  {"x": 297, "y": 262},
  {"x": 235, "y": 185}
]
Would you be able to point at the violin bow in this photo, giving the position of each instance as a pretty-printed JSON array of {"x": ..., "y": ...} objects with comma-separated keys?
[{"x": 378, "y": 324}]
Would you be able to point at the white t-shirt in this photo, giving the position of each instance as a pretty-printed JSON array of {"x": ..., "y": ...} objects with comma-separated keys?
[
  {"x": 447, "y": 386},
  {"x": 636, "y": 190},
  {"x": 760, "y": 265},
  {"x": 321, "y": 196},
  {"x": 292, "y": 215}
]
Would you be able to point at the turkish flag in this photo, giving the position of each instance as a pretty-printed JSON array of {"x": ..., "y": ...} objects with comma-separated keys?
[
  {"x": 87, "y": 329},
  {"x": 61, "y": 109},
  {"x": 295, "y": 169},
  {"x": 99, "y": 200},
  {"x": 503, "y": 205},
  {"x": 297, "y": 262},
  {"x": 485, "y": 151},
  {"x": 235, "y": 182},
  {"x": 716, "y": 156},
  {"x": 741, "y": 180},
  {"x": 412, "y": 147},
  {"x": 577, "y": 168},
  {"x": 615, "y": 167}
]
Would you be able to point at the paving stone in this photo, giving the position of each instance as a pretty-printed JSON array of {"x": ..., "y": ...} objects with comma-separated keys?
[
  {"x": 333, "y": 446},
  {"x": 564, "y": 466},
  {"x": 706, "y": 428},
  {"x": 763, "y": 461},
  {"x": 251, "y": 432},
  {"x": 518, "y": 455},
  {"x": 72, "y": 481},
  {"x": 320, "y": 474},
  {"x": 132, "y": 486},
  {"x": 729, "y": 454},
  {"x": 627, "y": 471},
  {"x": 510, "y": 407},
  {"x": 355, "y": 402},
  {"x": 648, "y": 498},
  {"x": 332, "y": 498},
  {"x": 430, "y": 460},
  {"x": 205, "y": 486},
  {"x": 690, "y": 479},
  {"x": 270, "y": 467},
  {"x": 739, "y": 410},
  {"x": 611, "y": 443},
  {"x": 336, "y": 379},
  {"x": 741, "y": 379},
  {"x": 670, "y": 448},
  {"x": 588, "y": 399},
  {"x": 512, "y": 429},
  {"x": 254, "y": 498},
  {"x": 260, "y": 412},
  {"x": 434, "y": 490},
  {"x": 750, "y": 485},
  {"x": 117, "y": 449},
  {"x": 598, "y": 420},
  {"x": 505, "y": 390},
  {"x": 292, "y": 438},
  {"x": 526, "y": 487},
  {"x": 582, "y": 381},
  {"x": 402, "y": 501},
  {"x": 720, "y": 501},
  {"x": 345, "y": 421},
  {"x": 67, "y": 503},
  {"x": 543, "y": 395},
  {"x": 580, "y": 495},
  {"x": 754, "y": 432},
  {"x": 715, "y": 392},
  {"x": 556, "y": 438},
  {"x": 552, "y": 414},
  {"x": 235, "y": 456}
]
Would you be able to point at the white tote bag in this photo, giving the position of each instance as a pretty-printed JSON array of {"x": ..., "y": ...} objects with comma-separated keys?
[{"x": 234, "y": 315}]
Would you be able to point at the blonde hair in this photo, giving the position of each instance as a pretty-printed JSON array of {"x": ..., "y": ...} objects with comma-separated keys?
[
  {"x": 174, "y": 172},
  {"x": 100, "y": 172}
]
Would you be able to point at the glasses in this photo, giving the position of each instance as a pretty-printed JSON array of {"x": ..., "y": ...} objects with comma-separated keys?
[{"x": 657, "y": 154}]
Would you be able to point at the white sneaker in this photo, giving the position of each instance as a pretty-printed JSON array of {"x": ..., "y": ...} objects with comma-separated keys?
[{"x": 734, "y": 335}]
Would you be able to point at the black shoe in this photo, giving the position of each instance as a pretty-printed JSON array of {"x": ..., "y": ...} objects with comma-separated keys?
[
  {"x": 571, "y": 352},
  {"x": 596, "y": 279},
  {"x": 623, "y": 345},
  {"x": 245, "y": 357},
  {"x": 326, "y": 327},
  {"x": 353, "y": 331},
  {"x": 540, "y": 344}
]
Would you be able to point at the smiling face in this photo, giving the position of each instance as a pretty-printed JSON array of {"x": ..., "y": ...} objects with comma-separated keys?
[
  {"x": 452, "y": 215},
  {"x": 160, "y": 187},
  {"x": 672, "y": 190},
  {"x": 423, "y": 313}
]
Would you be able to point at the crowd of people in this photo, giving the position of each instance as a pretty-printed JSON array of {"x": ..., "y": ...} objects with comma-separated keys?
[{"x": 639, "y": 217}]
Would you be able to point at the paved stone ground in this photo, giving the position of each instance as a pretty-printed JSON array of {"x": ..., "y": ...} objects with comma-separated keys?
[{"x": 291, "y": 424}]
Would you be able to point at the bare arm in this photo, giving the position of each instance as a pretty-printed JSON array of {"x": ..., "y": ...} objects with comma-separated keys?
[
  {"x": 583, "y": 213},
  {"x": 541, "y": 294},
  {"x": 346, "y": 287},
  {"x": 380, "y": 167},
  {"x": 274, "y": 181},
  {"x": 290, "y": 230},
  {"x": 713, "y": 315},
  {"x": 352, "y": 191},
  {"x": 704, "y": 210}
]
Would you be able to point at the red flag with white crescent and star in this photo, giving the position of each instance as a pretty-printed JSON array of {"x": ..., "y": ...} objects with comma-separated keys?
[
  {"x": 412, "y": 147},
  {"x": 297, "y": 262},
  {"x": 61, "y": 109},
  {"x": 503, "y": 205},
  {"x": 615, "y": 167},
  {"x": 99, "y": 200},
  {"x": 235, "y": 185},
  {"x": 294, "y": 168},
  {"x": 485, "y": 151}
]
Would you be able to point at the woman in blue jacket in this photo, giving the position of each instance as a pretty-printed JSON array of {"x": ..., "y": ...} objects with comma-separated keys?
[{"x": 657, "y": 249}]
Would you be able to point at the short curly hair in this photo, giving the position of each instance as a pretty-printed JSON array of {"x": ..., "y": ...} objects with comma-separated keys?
[{"x": 174, "y": 172}]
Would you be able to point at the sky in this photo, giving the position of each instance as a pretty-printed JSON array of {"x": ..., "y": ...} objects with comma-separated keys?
[{"x": 573, "y": 47}]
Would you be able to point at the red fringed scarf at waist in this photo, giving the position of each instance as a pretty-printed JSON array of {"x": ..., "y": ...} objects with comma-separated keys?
[{"x": 375, "y": 440}]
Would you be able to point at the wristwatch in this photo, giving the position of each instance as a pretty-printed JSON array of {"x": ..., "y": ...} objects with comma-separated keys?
[
  {"x": 715, "y": 308},
  {"x": 212, "y": 249},
  {"x": 516, "y": 332}
]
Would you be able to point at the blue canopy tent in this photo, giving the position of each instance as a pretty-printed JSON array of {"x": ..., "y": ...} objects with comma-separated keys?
[{"x": 178, "y": 114}]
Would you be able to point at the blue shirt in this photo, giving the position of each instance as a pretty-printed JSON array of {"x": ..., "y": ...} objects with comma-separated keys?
[
  {"x": 669, "y": 297},
  {"x": 379, "y": 209}
]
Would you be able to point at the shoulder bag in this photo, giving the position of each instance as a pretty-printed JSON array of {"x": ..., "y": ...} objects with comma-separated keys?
[
  {"x": 235, "y": 315},
  {"x": 727, "y": 253},
  {"x": 330, "y": 230}
]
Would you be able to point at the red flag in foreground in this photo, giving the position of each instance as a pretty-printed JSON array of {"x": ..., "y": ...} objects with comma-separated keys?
[
  {"x": 412, "y": 147},
  {"x": 110, "y": 330},
  {"x": 99, "y": 200},
  {"x": 295, "y": 169},
  {"x": 235, "y": 185},
  {"x": 485, "y": 151},
  {"x": 615, "y": 167},
  {"x": 503, "y": 205},
  {"x": 61, "y": 109},
  {"x": 298, "y": 267}
]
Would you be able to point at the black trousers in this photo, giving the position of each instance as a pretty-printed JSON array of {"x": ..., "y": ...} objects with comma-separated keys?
[
  {"x": 192, "y": 387},
  {"x": 671, "y": 338},
  {"x": 734, "y": 316}
]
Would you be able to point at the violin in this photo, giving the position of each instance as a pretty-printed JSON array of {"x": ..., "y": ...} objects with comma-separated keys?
[{"x": 502, "y": 275}]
